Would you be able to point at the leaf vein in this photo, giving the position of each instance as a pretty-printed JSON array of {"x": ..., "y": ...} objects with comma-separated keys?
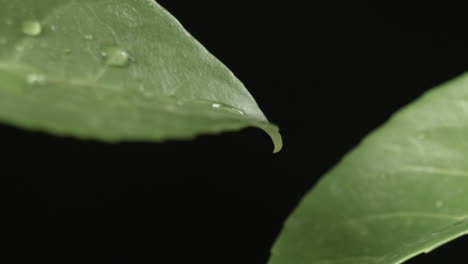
[
  {"x": 434, "y": 170},
  {"x": 405, "y": 214},
  {"x": 349, "y": 259}
]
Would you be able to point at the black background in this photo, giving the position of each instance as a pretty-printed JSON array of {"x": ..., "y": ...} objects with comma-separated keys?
[{"x": 327, "y": 74}]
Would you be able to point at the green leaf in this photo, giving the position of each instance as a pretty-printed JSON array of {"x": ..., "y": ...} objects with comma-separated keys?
[
  {"x": 402, "y": 191},
  {"x": 114, "y": 70}
]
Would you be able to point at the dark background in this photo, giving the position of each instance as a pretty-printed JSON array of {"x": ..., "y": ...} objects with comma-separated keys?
[{"x": 327, "y": 74}]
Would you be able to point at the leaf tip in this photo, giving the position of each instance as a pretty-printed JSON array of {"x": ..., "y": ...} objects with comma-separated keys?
[{"x": 273, "y": 132}]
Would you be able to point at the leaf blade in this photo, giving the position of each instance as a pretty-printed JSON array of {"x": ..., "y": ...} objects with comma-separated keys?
[
  {"x": 60, "y": 73},
  {"x": 399, "y": 193}
]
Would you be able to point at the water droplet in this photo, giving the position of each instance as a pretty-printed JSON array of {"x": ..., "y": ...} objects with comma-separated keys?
[
  {"x": 114, "y": 56},
  {"x": 36, "y": 78},
  {"x": 150, "y": 3},
  {"x": 220, "y": 106},
  {"x": 31, "y": 28},
  {"x": 227, "y": 108},
  {"x": 439, "y": 204},
  {"x": 421, "y": 136},
  {"x": 89, "y": 37},
  {"x": 144, "y": 91}
]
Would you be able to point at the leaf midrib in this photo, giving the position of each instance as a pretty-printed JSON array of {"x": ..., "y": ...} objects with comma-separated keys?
[{"x": 13, "y": 67}]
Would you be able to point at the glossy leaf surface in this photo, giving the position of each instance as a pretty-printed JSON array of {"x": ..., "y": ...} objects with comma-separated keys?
[
  {"x": 401, "y": 192},
  {"x": 113, "y": 71}
]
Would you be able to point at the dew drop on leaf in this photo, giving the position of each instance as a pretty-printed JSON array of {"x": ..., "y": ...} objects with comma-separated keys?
[
  {"x": 220, "y": 106},
  {"x": 31, "y": 28},
  {"x": 144, "y": 91},
  {"x": 227, "y": 108},
  {"x": 114, "y": 56},
  {"x": 421, "y": 136},
  {"x": 36, "y": 79},
  {"x": 89, "y": 37}
]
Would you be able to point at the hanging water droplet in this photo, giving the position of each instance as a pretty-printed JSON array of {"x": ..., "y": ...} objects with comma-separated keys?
[
  {"x": 36, "y": 78},
  {"x": 114, "y": 56},
  {"x": 89, "y": 37},
  {"x": 31, "y": 28}
]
